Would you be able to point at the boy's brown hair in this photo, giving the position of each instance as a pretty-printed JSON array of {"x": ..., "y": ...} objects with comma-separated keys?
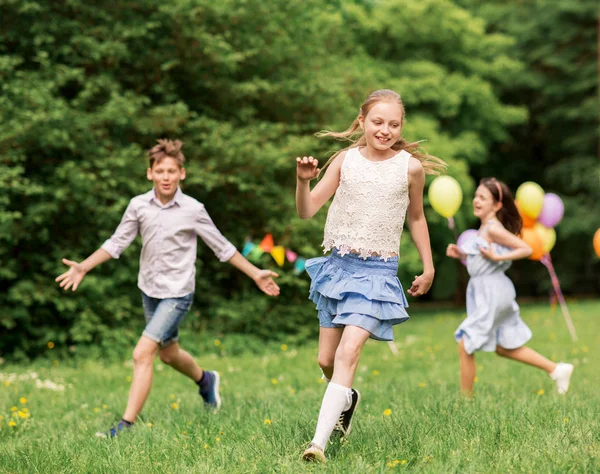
[{"x": 166, "y": 149}]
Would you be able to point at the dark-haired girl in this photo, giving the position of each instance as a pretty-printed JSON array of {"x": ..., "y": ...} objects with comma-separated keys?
[{"x": 493, "y": 323}]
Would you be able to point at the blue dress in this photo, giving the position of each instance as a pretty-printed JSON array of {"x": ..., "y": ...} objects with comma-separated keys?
[{"x": 492, "y": 313}]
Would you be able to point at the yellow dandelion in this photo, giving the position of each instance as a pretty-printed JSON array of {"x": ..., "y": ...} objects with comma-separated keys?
[
  {"x": 1, "y": 417},
  {"x": 387, "y": 412},
  {"x": 128, "y": 378},
  {"x": 267, "y": 421},
  {"x": 476, "y": 379},
  {"x": 24, "y": 410},
  {"x": 12, "y": 423},
  {"x": 24, "y": 414},
  {"x": 566, "y": 420},
  {"x": 206, "y": 446},
  {"x": 376, "y": 372},
  {"x": 172, "y": 397},
  {"x": 174, "y": 406},
  {"x": 284, "y": 347},
  {"x": 585, "y": 349},
  {"x": 403, "y": 462},
  {"x": 422, "y": 384},
  {"x": 22, "y": 400},
  {"x": 50, "y": 345},
  {"x": 218, "y": 440},
  {"x": 104, "y": 406},
  {"x": 427, "y": 458},
  {"x": 6, "y": 383},
  {"x": 96, "y": 409},
  {"x": 149, "y": 425},
  {"x": 13, "y": 408},
  {"x": 185, "y": 433},
  {"x": 541, "y": 391},
  {"x": 389, "y": 464},
  {"x": 217, "y": 342},
  {"x": 274, "y": 381}
]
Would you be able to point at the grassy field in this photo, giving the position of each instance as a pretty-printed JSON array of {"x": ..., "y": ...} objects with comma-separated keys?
[{"x": 411, "y": 417}]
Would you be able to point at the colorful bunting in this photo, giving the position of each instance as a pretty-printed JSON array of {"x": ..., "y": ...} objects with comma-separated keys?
[
  {"x": 278, "y": 254},
  {"x": 299, "y": 266},
  {"x": 291, "y": 256},
  {"x": 248, "y": 247},
  {"x": 267, "y": 243}
]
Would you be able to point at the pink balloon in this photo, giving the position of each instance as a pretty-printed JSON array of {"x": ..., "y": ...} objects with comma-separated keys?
[
  {"x": 552, "y": 211},
  {"x": 465, "y": 237}
]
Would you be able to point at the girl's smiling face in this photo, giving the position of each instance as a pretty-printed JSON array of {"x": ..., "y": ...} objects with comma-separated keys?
[
  {"x": 484, "y": 205},
  {"x": 382, "y": 125}
]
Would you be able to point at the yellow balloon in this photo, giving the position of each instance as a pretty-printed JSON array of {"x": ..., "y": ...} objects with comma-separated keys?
[
  {"x": 530, "y": 197},
  {"x": 445, "y": 195},
  {"x": 548, "y": 236}
]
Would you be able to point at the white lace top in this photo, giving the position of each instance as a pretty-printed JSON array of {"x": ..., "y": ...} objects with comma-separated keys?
[{"x": 368, "y": 209}]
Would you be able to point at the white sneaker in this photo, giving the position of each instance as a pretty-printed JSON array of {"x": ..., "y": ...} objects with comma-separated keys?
[
  {"x": 314, "y": 453},
  {"x": 562, "y": 376}
]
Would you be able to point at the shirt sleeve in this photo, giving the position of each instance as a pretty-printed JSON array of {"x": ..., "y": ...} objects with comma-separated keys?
[
  {"x": 212, "y": 237},
  {"x": 125, "y": 233}
]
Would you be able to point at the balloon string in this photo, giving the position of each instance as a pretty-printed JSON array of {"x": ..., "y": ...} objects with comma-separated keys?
[
  {"x": 452, "y": 227},
  {"x": 547, "y": 262}
]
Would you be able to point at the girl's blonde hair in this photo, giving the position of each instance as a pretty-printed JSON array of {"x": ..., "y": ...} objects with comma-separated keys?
[
  {"x": 166, "y": 149},
  {"x": 355, "y": 135}
]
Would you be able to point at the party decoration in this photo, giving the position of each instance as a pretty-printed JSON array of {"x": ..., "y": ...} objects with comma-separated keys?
[
  {"x": 248, "y": 247},
  {"x": 291, "y": 256},
  {"x": 530, "y": 197},
  {"x": 445, "y": 196},
  {"x": 267, "y": 243},
  {"x": 547, "y": 236},
  {"x": 552, "y": 211},
  {"x": 255, "y": 253},
  {"x": 299, "y": 266},
  {"x": 597, "y": 242},
  {"x": 533, "y": 239},
  {"x": 278, "y": 254},
  {"x": 528, "y": 222}
]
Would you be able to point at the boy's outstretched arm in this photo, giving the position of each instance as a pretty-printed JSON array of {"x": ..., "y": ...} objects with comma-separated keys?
[
  {"x": 76, "y": 272},
  {"x": 262, "y": 278}
]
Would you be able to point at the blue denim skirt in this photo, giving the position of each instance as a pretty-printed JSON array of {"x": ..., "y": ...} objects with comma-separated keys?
[{"x": 354, "y": 291}]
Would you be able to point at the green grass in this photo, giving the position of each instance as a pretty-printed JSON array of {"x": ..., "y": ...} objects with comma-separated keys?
[{"x": 515, "y": 423}]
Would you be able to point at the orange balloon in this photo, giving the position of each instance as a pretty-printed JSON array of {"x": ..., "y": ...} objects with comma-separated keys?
[
  {"x": 528, "y": 222},
  {"x": 532, "y": 239},
  {"x": 597, "y": 242}
]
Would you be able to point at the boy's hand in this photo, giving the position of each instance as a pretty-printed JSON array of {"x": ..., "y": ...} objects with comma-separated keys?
[
  {"x": 72, "y": 277},
  {"x": 421, "y": 285},
  {"x": 306, "y": 168},
  {"x": 264, "y": 280}
]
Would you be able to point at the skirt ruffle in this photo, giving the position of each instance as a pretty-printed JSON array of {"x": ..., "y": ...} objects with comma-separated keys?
[{"x": 358, "y": 292}]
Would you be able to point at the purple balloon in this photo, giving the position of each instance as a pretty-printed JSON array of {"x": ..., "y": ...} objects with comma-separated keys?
[
  {"x": 465, "y": 237},
  {"x": 552, "y": 211}
]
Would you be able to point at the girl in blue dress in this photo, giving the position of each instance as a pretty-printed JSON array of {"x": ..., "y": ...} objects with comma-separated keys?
[{"x": 493, "y": 323}]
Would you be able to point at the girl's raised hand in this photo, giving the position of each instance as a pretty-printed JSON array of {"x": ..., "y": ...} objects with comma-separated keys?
[
  {"x": 306, "y": 168},
  {"x": 454, "y": 251}
]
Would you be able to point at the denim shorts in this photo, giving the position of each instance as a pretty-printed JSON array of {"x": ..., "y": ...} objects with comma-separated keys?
[{"x": 163, "y": 317}]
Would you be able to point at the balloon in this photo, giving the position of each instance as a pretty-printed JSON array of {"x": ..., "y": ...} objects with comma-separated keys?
[
  {"x": 465, "y": 237},
  {"x": 531, "y": 198},
  {"x": 445, "y": 195},
  {"x": 552, "y": 210},
  {"x": 597, "y": 242},
  {"x": 547, "y": 236},
  {"x": 528, "y": 222},
  {"x": 532, "y": 238}
]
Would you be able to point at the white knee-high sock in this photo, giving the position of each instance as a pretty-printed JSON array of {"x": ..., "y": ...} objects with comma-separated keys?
[{"x": 337, "y": 399}]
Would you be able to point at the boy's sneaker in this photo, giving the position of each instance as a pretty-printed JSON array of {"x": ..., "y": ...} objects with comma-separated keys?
[
  {"x": 314, "y": 453},
  {"x": 562, "y": 376},
  {"x": 344, "y": 423},
  {"x": 210, "y": 395},
  {"x": 115, "y": 430}
]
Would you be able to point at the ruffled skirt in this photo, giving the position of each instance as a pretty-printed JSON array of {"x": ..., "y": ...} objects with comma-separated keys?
[{"x": 353, "y": 291}]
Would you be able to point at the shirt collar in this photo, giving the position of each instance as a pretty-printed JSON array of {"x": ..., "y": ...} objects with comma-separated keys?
[{"x": 176, "y": 199}]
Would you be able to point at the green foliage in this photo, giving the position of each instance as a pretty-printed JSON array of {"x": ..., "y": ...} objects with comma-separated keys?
[{"x": 87, "y": 88}]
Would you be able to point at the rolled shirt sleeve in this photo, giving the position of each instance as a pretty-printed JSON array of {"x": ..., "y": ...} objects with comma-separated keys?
[
  {"x": 125, "y": 233},
  {"x": 208, "y": 232}
]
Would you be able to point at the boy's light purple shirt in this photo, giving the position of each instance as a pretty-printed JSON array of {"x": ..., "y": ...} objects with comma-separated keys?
[{"x": 169, "y": 242}]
